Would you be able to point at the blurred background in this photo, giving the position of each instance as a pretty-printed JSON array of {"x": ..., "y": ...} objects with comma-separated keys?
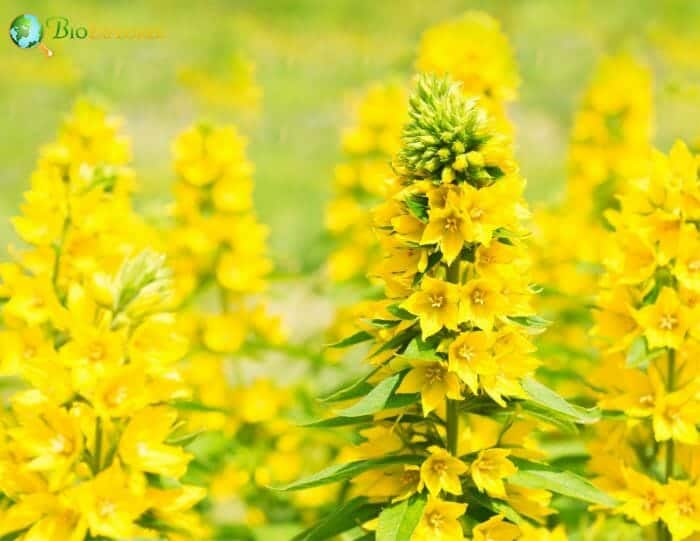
[{"x": 287, "y": 71}]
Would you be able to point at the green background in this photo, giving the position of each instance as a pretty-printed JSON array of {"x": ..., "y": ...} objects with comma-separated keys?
[{"x": 313, "y": 57}]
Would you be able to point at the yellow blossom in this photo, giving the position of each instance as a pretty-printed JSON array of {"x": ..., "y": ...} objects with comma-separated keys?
[
  {"x": 442, "y": 471},
  {"x": 489, "y": 469}
]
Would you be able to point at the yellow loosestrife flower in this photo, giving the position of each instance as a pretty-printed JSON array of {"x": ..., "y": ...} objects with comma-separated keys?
[
  {"x": 647, "y": 319},
  {"x": 452, "y": 331},
  {"x": 87, "y": 306}
]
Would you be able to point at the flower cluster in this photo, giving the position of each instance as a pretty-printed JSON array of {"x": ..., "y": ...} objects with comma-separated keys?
[
  {"x": 443, "y": 416},
  {"x": 218, "y": 249},
  {"x": 359, "y": 180},
  {"x": 474, "y": 51},
  {"x": 647, "y": 321},
  {"x": 610, "y": 140},
  {"x": 90, "y": 445}
]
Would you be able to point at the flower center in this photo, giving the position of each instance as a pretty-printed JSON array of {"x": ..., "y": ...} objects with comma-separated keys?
[
  {"x": 478, "y": 297},
  {"x": 476, "y": 213},
  {"x": 106, "y": 507},
  {"x": 647, "y": 400},
  {"x": 451, "y": 224},
  {"x": 435, "y": 374},
  {"x": 409, "y": 478},
  {"x": 694, "y": 266},
  {"x": 668, "y": 322},
  {"x": 439, "y": 467},
  {"x": 436, "y": 301},
  {"x": 650, "y": 501},
  {"x": 686, "y": 507},
  {"x": 96, "y": 352},
  {"x": 59, "y": 445},
  {"x": 466, "y": 353},
  {"x": 29, "y": 352},
  {"x": 435, "y": 520},
  {"x": 117, "y": 396}
]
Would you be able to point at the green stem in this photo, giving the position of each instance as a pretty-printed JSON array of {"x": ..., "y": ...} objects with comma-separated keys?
[
  {"x": 670, "y": 387},
  {"x": 452, "y": 427},
  {"x": 98, "y": 445},
  {"x": 663, "y": 533},
  {"x": 452, "y": 409}
]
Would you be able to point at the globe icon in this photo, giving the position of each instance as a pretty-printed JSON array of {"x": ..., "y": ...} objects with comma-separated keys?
[{"x": 26, "y": 31}]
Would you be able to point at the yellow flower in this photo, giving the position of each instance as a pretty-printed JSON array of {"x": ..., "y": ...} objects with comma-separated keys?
[
  {"x": 448, "y": 227},
  {"x": 141, "y": 446},
  {"x": 110, "y": 503},
  {"x": 489, "y": 469},
  {"x": 470, "y": 355},
  {"x": 666, "y": 321},
  {"x": 531, "y": 533},
  {"x": 496, "y": 529},
  {"x": 474, "y": 50},
  {"x": 436, "y": 304},
  {"x": 120, "y": 391},
  {"x": 260, "y": 402},
  {"x": 676, "y": 415},
  {"x": 51, "y": 438},
  {"x": 643, "y": 499},
  {"x": 224, "y": 333},
  {"x": 489, "y": 208},
  {"x": 687, "y": 263},
  {"x": 681, "y": 511},
  {"x": 433, "y": 381},
  {"x": 481, "y": 302},
  {"x": 441, "y": 471},
  {"x": 440, "y": 521}
]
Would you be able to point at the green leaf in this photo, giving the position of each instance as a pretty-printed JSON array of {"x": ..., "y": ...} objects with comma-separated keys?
[
  {"x": 397, "y": 523},
  {"x": 193, "y": 405},
  {"x": 354, "y": 390},
  {"x": 184, "y": 439},
  {"x": 333, "y": 422},
  {"x": 417, "y": 205},
  {"x": 396, "y": 310},
  {"x": 638, "y": 356},
  {"x": 536, "y": 323},
  {"x": 547, "y": 398},
  {"x": 401, "y": 339},
  {"x": 345, "y": 517},
  {"x": 418, "y": 349},
  {"x": 340, "y": 472},
  {"x": 356, "y": 338},
  {"x": 383, "y": 323},
  {"x": 376, "y": 400},
  {"x": 546, "y": 415},
  {"x": 541, "y": 476},
  {"x": 474, "y": 497}
]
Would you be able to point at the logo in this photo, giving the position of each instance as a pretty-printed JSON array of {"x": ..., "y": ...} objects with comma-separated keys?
[{"x": 26, "y": 32}]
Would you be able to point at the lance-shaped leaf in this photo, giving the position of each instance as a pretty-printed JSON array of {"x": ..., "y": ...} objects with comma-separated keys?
[
  {"x": 396, "y": 523},
  {"x": 345, "y": 517},
  {"x": 340, "y": 472},
  {"x": 380, "y": 398},
  {"x": 545, "y": 397},
  {"x": 356, "y": 338},
  {"x": 541, "y": 476}
]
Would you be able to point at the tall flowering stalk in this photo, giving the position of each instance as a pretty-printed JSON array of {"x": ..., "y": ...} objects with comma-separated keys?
[
  {"x": 610, "y": 141},
  {"x": 90, "y": 444},
  {"x": 219, "y": 252},
  {"x": 445, "y": 432},
  {"x": 646, "y": 453}
]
